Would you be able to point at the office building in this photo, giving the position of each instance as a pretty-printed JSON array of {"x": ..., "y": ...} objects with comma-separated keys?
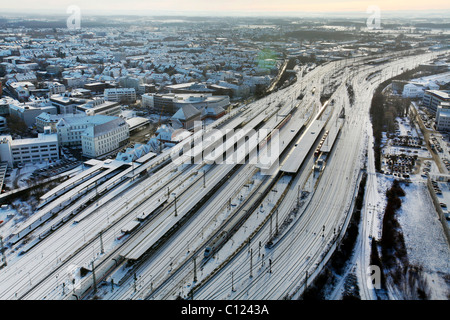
[
  {"x": 443, "y": 117},
  {"x": 123, "y": 95},
  {"x": 20, "y": 151},
  {"x": 432, "y": 98},
  {"x": 101, "y": 139},
  {"x": 100, "y": 107}
]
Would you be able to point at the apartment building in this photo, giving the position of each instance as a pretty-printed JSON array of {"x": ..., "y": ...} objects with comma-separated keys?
[
  {"x": 21, "y": 90},
  {"x": 56, "y": 87}
]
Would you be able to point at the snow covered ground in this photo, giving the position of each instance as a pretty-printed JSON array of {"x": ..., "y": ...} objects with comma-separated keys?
[
  {"x": 425, "y": 241},
  {"x": 424, "y": 238}
]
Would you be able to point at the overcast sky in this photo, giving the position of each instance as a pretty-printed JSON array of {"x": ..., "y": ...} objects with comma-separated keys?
[{"x": 217, "y": 6}]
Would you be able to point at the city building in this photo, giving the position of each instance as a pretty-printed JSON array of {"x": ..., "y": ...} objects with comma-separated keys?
[
  {"x": 170, "y": 103},
  {"x": 44, "y": 148},
  {"x": 443, "y": 117},
  {"x": 100, "y": 107},
  {"x": 137, "y": 84},
  {"x": 50, "y": 120},
  {"x": 56, "y": 87},
  {"x": 189, "y": 87},
  {"x": 147, "y": 100},
  {"x": 4, "y": 105},
  {"x": 187, "y": 115},
  {"x": 96, "y": 87},
  {"x": 3, "y": 123},
  {"x": 66, "y": 103},
  {"x": 21, "y": 90},
  {"x": 124, "y": 95},
  {"x": 169, "y": 135},
  {"x": 412, "y": 90},
  {"x": 28, "y": 112},
  {"x": 213, "y": 112},
  {"x": 432, "y": 98},
  {"x": 101, "y": 139},
  {"x": 70, "y": 128}
]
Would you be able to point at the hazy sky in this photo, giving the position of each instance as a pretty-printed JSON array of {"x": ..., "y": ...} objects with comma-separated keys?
[{"x": 243, "y": 6}]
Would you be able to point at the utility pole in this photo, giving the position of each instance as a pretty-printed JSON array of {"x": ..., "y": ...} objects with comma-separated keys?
[
  {"x": 232, "y": 282},
  {"x": 195, "y": 270},
  {"x": 259, "y": 249},
  {"x": 93, "y": 277},
  {"x": 204, "y": 179},
  {"x": 251, "y": 263},
  {"x": 101, "y": 242},
  {"x": 176, "y": 206},
  {"x": 276, "y": 223},
  {"x": 270, "y": 235},
  {"x": 2, "y": 249},
  {"x": 306, "y": 280}
]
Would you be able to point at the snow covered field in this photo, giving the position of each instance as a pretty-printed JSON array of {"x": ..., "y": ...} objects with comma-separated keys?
[{"x": 424, "y": 238}]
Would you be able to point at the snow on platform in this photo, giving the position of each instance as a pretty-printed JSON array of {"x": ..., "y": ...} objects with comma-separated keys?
[
  {"x": 146, "y": 157},
  {"x": 284, "y": 137},
  {"x": 331, "y": 137},
  {"x": 302, "y": 148}
]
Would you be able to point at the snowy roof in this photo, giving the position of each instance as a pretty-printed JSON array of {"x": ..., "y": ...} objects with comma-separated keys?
[
  {"x": 180, "y": 134},
  {"x": 100, "y": 129},
  {"x": 214, "y": 110},
  {"x": 136, "y": 122},
  {"x": 42, "y": 138},
  {"x": 83, "y": 119},
  {"x": 186, "y": 112}
]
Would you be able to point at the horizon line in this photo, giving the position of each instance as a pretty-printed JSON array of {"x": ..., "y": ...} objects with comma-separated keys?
[{"x": 212, "y": 13}]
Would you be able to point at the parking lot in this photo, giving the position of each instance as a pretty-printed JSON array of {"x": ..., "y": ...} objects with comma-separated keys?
[
  {"x": 31, "y": 174},
  {"x": 54, "y": 169},
  {"x": 442, "y": 190}
]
